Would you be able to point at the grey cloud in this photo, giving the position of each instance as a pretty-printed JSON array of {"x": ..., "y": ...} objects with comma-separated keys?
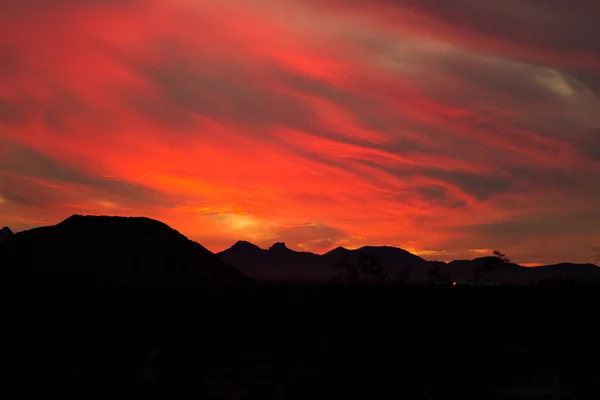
[
  {"x": 8, "y": 7},
  {"x": 11, "y": 113},
  {"x": 28, "y": 193},
  {"x": 481, "y": 186},
  {"x": 10, "y": 62},
  {"x": 186, "y": 88},
  {"x": 548, "y": 24},
  {"x": 545, "y": 25},
  {"x": 314, "y": 87},
  {"x": 546, "y": 178},
  {"x": 440, "y": 196},
  {"x": 222, "y": 96},
  {"x": 62, "y": 107},
  {"x": 577, "y": 224},
  {"x": 508, "y": 80},
  {"x": 590, "y": 145},
  {"x": 539, "y": 237},
  {"x": 66, "y": 105},
  {"x": 30, "y": 163}
]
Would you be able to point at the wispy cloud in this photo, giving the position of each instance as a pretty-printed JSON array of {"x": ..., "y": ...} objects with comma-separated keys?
[{"x": 434, "y": 126}]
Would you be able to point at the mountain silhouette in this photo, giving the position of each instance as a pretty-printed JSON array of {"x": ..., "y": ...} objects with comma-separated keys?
[
  {"x": 141, "y": 252},
  {"x": 280, "y": 263},
  {"x": 565, "y": 271},
  {"x": 393, "y": 259},
  {"x": 112, "y": 252},
  {"x": 5, "y": 234}
]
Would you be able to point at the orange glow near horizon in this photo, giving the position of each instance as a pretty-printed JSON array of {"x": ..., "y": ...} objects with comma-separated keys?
[{"x": 321, "y": 124}]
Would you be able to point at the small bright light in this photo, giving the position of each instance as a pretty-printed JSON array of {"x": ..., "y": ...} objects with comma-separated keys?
[{"x": 453, "y": 283}]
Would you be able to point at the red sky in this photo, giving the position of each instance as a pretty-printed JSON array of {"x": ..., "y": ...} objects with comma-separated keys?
[{"x": 446, "y": 128}]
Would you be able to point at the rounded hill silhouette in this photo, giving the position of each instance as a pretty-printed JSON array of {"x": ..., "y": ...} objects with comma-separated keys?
[{"x": 113, "y": 252}]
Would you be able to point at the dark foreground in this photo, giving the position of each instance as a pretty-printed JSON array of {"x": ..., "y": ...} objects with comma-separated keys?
[{"x": 303, "y": 342}]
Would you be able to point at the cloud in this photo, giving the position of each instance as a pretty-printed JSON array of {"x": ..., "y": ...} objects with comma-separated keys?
[
  {"x": 316, "y": 123},
  {"x": 556, "y": 236},
  {"x": 31, "y": 178}
]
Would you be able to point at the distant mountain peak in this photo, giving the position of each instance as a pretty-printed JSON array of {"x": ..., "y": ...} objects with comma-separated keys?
[
  {"x": 339, "y": 249},
  {"x": 280, "y": 263},
  {"x": 245, "y": 245},
  {"x": 278, "y": 246}
]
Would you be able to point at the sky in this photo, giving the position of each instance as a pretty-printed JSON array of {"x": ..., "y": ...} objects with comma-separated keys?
[{"x": 448, "y": 128}]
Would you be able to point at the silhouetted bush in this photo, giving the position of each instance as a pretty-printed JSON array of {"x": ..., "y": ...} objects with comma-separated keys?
[{"x": 366, "y": 270}]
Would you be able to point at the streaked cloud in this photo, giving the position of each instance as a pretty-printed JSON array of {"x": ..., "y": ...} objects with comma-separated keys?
[{"x": 442, "y": 127}]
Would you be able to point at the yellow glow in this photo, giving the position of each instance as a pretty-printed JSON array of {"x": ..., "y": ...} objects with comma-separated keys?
[
  {"x": 429, "y": 252},
  {"x": 239, "y": 222},
  {"x": 423, "y": 253},
  {"x": 531, "y": 264},
  {"x": 106, "y": 204},
  {"x": 2, "y": 200},
  {"x": 481, "y": 251}
]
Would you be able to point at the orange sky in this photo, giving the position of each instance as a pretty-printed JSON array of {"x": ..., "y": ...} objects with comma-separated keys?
[{"x": 446, "y": 129}]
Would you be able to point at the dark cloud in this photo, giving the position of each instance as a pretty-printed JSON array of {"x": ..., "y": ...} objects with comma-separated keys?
[
  {"x": 479, "y": 186},
  {"x": 547, "y": 24},
  {"x": 187, "y": 87},
  {"x": 531, "y": 237},
  {"x": 542, "y": 24},
  {"x": 9, "y": 61},
  {"x": 27, "y": 162},
  {"x": 440, "y": 196},
  {"x": 11, "y": 113},
  {"x": 8, "y": 7},
  {"x": 590, "y": 145},
  {"x": 218, "y": 95},
  {"x": 67, "y": 106},
  {"x": 538, "y": 226},
  {"x": 30, "y": 193}
]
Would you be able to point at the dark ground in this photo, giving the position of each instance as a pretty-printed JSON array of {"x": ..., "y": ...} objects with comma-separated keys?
[{"x": 298, "y": 342}]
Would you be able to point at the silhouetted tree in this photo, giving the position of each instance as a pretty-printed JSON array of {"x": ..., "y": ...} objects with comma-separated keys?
[
  {"x": 368, "y": 269},
  {"x": 502, "y": 257},
  {"x": 435, "y": 275},
  {"x": 490, "y": 264}
]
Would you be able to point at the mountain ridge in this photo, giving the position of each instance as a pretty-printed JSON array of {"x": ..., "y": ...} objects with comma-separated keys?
[
  {"x": 139, "y": 250},
  {"x": 112, "y": 251},
  {"x": 270, "y": 265}
]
